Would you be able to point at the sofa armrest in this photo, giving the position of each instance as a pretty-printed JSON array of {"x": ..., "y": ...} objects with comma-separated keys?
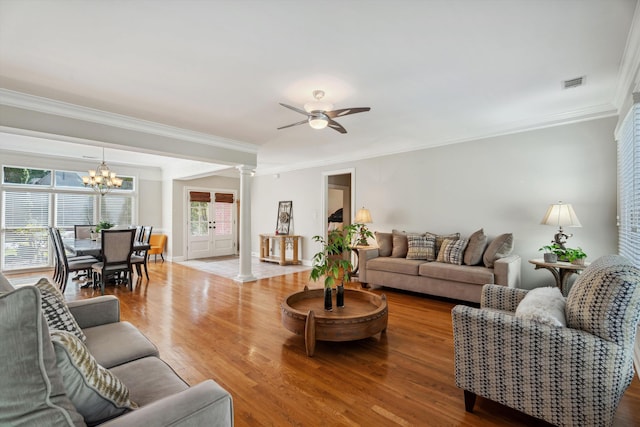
[
  {"x": 204, "y": 404},
  {"x": 95, "y": 311},
  {"x": 364, "y": 255},
  {"x": 501, "y": 298},
  {"x": 507, "y": 271}
]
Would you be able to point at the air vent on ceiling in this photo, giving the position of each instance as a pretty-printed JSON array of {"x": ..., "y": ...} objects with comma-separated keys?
[{"x": 578, "y": 81}]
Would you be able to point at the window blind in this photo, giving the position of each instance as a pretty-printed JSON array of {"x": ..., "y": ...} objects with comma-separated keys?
[
  {"x": 74, "y": 209},
  {"x": 200, "y": 196},
  {"x": 629, "y": 185},
  {"x": 224, "y": 198},
  {"x": 118, "y": 210}
]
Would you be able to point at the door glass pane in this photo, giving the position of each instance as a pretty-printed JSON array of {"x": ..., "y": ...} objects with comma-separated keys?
[
  {"x": 224, "y": 219},
  {"x": 199, "y": 218}
]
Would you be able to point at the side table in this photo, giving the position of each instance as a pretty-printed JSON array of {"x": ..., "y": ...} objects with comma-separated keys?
[
  {"x": 284, "y": 240},
  {"x": 561, "y": 270}
]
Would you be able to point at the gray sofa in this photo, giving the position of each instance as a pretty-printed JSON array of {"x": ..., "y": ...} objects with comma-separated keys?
[
  {"x": 462, "y": 281},
  {"x": 162, "y": 397}
]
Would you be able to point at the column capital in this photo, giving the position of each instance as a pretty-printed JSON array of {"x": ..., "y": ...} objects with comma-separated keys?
[{"x": 245, "y": 169}]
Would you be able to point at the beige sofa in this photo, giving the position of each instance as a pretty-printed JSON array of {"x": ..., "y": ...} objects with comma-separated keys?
[
  {"x": 443, "y": 277},
  {"x": 35, "y": 389}
]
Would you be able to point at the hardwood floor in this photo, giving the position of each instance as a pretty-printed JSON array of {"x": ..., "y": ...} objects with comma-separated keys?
[{"x": 211, "y": 327}]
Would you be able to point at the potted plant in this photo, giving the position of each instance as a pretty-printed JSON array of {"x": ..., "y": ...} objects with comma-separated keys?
[
  {"x": 575, "y": 256},
  {"x": 102, "y": 225},
  {"x": 552, "y": 252},
  {"x": 332, "y": 263}
]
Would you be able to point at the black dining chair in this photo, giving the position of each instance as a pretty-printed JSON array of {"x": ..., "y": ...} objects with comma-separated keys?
[
  {"x": 67, "y": 264},
  {"x": 117, "y": 248},
  {"x": 141, "y": 257}
]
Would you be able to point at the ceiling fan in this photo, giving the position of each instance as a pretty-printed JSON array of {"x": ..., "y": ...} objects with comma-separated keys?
[{"x": 321, "y": 114}]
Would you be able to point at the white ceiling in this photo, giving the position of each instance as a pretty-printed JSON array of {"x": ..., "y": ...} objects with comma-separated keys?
[{"x": 433, "y": 72}]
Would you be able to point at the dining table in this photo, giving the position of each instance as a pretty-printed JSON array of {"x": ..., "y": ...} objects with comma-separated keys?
[{"x": 94, "y": 247}]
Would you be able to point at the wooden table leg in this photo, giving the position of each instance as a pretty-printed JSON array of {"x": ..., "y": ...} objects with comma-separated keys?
[
  {"x": 295, "y": 250},
  {"x": 310, "y": 333}
]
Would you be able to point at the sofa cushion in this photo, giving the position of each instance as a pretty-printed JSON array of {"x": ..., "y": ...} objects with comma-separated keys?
[
  {"x": 452, "y": 251},
  {"x": 543, "y": 305},
  {"x": 400, "y": 244},
  {"x": 457, "y": 273},
  {"x": 500, "y": 247},
  {"x": 385, "y": 243},
  {"x": 420, "y": 246},
  {"x": 32, "y": 392},
  {"x": 605, "y": 300},
  {"x": 105, "y": 342},
  {"x": 441, "y": 238},
  {"x": 149, "y": 379},
  {"x": 475, "y": 248},
  {"x": 95, "y": 392},
  {"x": 56, "y": 311},
  {"x": 395, "y": 265}
]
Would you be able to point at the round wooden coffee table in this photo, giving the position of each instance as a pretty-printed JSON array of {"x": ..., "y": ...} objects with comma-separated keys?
[{"x": 364, "y": 315}]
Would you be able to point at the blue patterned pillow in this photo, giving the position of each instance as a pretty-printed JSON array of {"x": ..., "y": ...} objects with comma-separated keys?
[{"x": 605, "y": 300}]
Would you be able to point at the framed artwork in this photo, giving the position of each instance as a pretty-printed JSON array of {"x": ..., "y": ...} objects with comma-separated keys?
[{"x": 284, "y": 217}]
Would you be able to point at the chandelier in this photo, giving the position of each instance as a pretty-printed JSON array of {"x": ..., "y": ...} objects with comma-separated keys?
[{"x": 102, "y": 180}]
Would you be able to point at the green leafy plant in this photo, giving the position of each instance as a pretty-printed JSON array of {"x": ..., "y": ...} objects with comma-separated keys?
[
  {"x": 574, "y": 254},
  {"x": 330, "y": 262},
  {"x": 103, "y": 225},
  {"x": 553, "y": 249}
]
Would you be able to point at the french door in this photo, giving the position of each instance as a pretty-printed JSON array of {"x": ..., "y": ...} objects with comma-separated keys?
[{"x": 211, "y": 224}]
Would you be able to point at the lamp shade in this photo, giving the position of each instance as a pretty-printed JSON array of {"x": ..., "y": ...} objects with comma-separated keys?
[
  {"x": 561, "y": 215},
  {"x": 363, "y": 216}
]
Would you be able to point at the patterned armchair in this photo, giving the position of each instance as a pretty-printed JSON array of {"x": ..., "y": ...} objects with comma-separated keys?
[{"x": 568, "y": 376}]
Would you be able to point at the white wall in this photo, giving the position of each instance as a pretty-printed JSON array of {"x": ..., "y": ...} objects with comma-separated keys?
[{"x": 503, "y": 184}]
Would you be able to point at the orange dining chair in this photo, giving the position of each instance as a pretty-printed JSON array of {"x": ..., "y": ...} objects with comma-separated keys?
[{"x": 157, "y": 243}]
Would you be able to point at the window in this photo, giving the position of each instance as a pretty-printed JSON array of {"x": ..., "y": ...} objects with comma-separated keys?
[
  {"x": 34, "y": 199},
  {"x": 224, "y": 219},
  {"x": 629, "y": 185},
  {"x": 25, "y": 241},
  {"x": 199, "y": 218}
]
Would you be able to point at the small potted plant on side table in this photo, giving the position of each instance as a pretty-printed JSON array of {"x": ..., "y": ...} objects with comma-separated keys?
[
  {"x": 552, "y": 253},
  {"x": 575, "y": 256}
]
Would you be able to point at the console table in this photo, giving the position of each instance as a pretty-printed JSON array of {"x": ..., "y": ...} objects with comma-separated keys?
[{"x": 267, "y": 241}]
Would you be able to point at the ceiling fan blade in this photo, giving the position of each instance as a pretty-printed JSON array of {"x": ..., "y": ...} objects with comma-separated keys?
[
  {"x": 297, "y": 110},
  {"x": 294, "y": 124},
  {"x": 336, "y": 126},
  {"x": 346, "y": 111}
]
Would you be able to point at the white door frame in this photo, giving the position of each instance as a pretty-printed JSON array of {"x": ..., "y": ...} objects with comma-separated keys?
[{"x": 187, "y": 213}]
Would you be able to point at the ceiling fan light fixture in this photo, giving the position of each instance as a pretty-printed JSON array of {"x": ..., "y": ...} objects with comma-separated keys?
[{"x": 318, "y": 122}]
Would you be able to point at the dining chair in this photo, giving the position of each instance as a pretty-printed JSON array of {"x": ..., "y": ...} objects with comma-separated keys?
[
  {"x": 117, "y": 247},
  {"x": 83, "y": 231},
  {"x": 67, "y": 264},
  {"x": 140, "y": 258},
  {"x": 157, "y": 243}
]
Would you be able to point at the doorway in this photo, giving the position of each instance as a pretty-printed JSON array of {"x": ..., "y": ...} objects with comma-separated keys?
[
  {"x": 211, "y": 228},
  {"x": 338, "y": 199}
]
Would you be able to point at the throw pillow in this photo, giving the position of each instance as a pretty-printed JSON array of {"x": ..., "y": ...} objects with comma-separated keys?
[
  {"x": 95, "y": 392},
  {"x": 420, "y": 246},
  {"x": 475, "y": 248},
  {"x": 500, "y": 247},
  {"x": 32, "y": 392},
  {"x": 452, "y": 251},
  {"x": 385, "y": 243},
  {"x": 441, "y": 238},
  {"x": 56, "y": 311},
  {"x": 544, "y": 305},
  {"x": 400, "y": 244}
]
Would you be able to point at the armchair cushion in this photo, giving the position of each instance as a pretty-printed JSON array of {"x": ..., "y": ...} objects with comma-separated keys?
[
  {"x": 605, "y": 300},
  {"x": 95, "y": 392}
]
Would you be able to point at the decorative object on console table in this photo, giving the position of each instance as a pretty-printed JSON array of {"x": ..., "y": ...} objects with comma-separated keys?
[
  {"x": 561, "y": 215},
  {"x": 284, "y": 217},
  {"x": 363, "y": 216}
]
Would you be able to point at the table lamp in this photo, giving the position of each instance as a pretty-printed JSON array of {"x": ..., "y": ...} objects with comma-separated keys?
[
  {"x": 561, "y": 215},
  {"x": 363, "y": 216}
]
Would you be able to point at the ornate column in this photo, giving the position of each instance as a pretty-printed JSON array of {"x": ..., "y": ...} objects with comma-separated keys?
[{"x": 245, "y": 274}]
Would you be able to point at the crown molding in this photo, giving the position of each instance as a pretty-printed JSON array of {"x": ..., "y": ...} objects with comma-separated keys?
[
  {"x": 629, "y": 74},
  {"x": 50, "y": 106}
]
